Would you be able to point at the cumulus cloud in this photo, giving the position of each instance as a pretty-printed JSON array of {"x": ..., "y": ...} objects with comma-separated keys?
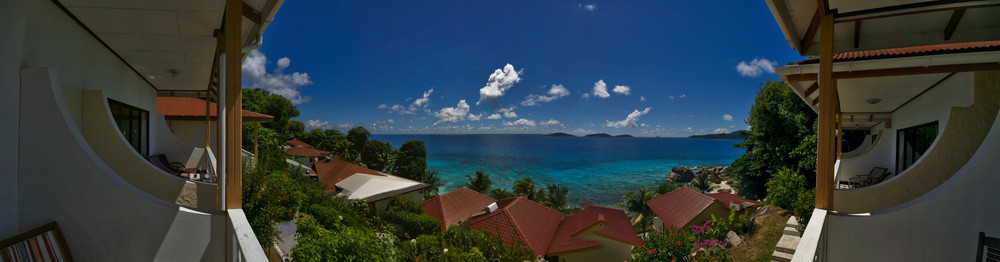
[
  {"x": 720, "y": 131},
  {"x": 642, "y": 98},
  {"x": 630, "y": 121},
  {"x": 276, "y": 82},
  {"x": 318, "y": 124},
  {"x": 416, "y": 105},
  {"x": 499, "y": 82},
  {"x": 494, "y": 116},
  {"x": 600, "y": 89},
  {"x": 683, "y": 96},
  {"x": 555, "y": 92},
  {"x": 755, "y": 67},
  {"x": 473, "y": 117},
  {"x": 588, "y": 7},
  {"x": 520, "y": 122},
  {"x": 453, "y": 114},
  {"x": 550, "y": 122},
  {"x": 625, "y": 90},
  {"x": 727, "y": 117},
  {"x": 508, "y": 112}
]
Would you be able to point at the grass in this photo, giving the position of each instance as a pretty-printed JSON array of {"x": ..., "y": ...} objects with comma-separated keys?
[{"x": 760, "y": 245}]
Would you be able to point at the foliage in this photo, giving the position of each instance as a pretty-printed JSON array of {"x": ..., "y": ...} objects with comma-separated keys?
[
  {"x": 260, "y": 101},
  {"x": 555, "y": 197},
  {"x": 480, "y": 183},
  {"x": 667, "y": 187},
  {"x": 701, "y": 183},
  {"x": 779, "y": 138},
  {"x": 434, "y": 184},
  {"x": 411, "y": 160},
  {"x": 804, "y": 208},
  {"x": 316, "y": 243},
  {"x": 525, "y": 187},
  {"x": 697, "y": 243},
  {"x": 329, "y": 139},
  {"x": 358, "y": 137},
  {"x": 500, "y": 193},
  {"x": 635, "y": 203},
  {"x": 270, "y": 195},
  {"x": 459, "y": 243},
  {"x": 332, "y": 212},
  {"x": 784, "y": 188},
  {"x": 378, "y": 156},
  {"x": 410, "y": 218}
]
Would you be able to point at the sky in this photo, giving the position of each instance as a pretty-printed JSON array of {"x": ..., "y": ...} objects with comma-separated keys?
[{"x": 644, "y": 68}]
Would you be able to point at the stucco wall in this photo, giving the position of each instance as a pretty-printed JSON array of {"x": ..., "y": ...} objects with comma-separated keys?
[
  {"x": 716, "y": 208},
  {"x": 609, "y": 250},
  {"x": 959, "y": 137},
  {"x": 192, "y": 132},
  {"x": 941, "y": 225},
  {"x": 12, "y": 35}
]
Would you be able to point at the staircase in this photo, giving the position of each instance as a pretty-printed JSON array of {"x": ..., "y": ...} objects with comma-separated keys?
[{"x": 788, "y": 242}]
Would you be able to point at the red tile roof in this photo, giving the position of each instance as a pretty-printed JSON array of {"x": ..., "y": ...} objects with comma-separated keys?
[
  {"x": 296, "y": 142},
  {"x": 305, "y": 151},
  {"x": 456, "y": 206},
  {"x": 728, "y": 198},
  {"x": 677, "y": 208},
  {"x": 911, "y": 51},
  {"x": 194, "y": 108},
  {"x": 617, "y": 226},
  {"x": 520, "y": 220},
  {"x": 332, "y": 171}
]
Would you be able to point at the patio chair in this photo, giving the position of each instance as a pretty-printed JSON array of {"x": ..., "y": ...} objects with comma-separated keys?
[
  {"x": 876, "y": 175},
  {"x": 989, "y": 244}
]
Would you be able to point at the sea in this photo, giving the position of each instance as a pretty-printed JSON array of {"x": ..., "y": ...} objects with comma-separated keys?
[{"x": 596, "y": 170}]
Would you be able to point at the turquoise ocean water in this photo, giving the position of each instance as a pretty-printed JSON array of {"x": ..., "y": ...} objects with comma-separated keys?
[{"x": 596, "y": 170}]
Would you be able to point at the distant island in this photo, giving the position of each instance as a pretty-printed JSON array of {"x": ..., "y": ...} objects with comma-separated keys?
[
  {"x": 599, "y": 135},
  {"x": 560, "y": 134},
  {"x": 624, "y": 136},
  {"x": 735, "y": 135}
]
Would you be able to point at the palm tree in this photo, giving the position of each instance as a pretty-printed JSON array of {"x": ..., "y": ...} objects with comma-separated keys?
[
  {"x": 431, "y": 179},
  {"x": 554, "y": 197},
  {"x": 635, "y": 203},
  {"x": 499, "y": 193},
  {"x": 481, "y": 183},
  {"x": 700, "y": 183},
  {"x": 525, "y": 188}
]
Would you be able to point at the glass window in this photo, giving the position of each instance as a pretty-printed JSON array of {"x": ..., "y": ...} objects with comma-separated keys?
[
  {"x": 133, "y": 123},
  {"x": 912, "y": 143}
]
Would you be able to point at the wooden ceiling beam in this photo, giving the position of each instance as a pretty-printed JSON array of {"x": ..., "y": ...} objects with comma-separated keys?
[
  {"x": 812, "y": 89},
  {"x": 811, "y": 31},
  {"x": 956, "y": 17},
  {"x": 251, "y": 14},
  {"x": 901, "y": 71}
]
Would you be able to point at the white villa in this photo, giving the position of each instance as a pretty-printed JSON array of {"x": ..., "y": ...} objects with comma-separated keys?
[
  {"x": 922, "y": 79},
  {"x": 79, "y": 81}
]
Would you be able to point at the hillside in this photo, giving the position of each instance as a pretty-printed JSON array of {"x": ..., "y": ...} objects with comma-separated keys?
[
  {"x": 735, "y": 135},
  {"x": 560, "y": 134}
]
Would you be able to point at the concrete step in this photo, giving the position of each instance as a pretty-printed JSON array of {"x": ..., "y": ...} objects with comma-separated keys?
[
  {"x": 788, "y": 244},
  {"x": 792, "y": 222},
  {"x": 792, "y": 231},
  {"x": 781, "y": 256}
]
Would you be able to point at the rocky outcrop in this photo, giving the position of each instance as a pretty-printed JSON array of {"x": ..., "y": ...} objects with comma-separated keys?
[
  {"x": 716, "y": 174},
  {"x": 681, "y": 174}
]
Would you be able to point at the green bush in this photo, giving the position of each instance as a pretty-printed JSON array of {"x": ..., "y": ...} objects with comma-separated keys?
[
  {"x": 410, "y": 218},
  {"x": 698, "y": 243},
  {"x": 316, "y": 243},
  {"x": 784, "y": 188},
  {"x": 804, "y": 206}
]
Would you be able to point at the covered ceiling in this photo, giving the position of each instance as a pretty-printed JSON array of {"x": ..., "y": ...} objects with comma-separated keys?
[{"x": 171, "y": 43}]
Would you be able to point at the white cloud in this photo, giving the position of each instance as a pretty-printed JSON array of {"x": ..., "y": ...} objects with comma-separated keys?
[
  {"x": 453, "y": 114},
  {"x": 499, "y": 82},
  {"x": 720, "y": 131},
  {"x": 588, "y": 7},
  {"x": 550, "y": 122},
  {"x": 277, "y": 82},
  {"x": 683, "y": 96},
  {"x": 318, "y": 124},
  {"x": 418, "y": 104},
  {"x": 520, "y": 122},
  {"x": 555, "y": 92},
  {"x": 473, "y": 117},
  {"x": 508, "y": 112},
  {"x": 727, "y": 117},
  {"x": 601, "y": 89},
  {"x": 625, "y": 90},
  {"x": 494, "y": 116},
  {"x": 755, "y": 67},
  {"x": 630, "y": 121},
  {"x": 671, "y": 97},
  {"x": 642, "y": 98}
]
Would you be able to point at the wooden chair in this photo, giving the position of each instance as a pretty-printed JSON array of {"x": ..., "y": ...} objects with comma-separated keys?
[
  {"x": 989, "y": 244},
  {"x": 45, "y": 243}
]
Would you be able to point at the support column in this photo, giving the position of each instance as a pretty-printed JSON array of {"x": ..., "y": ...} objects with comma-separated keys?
[
  {"x": 234, "y": 97},
  {"x": 825, "y": 145},
  {"x": 208, "y": 118}
]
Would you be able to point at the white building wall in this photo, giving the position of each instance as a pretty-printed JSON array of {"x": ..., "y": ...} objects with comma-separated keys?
[
  {"x": 12, "y": 20},
  {"x": 942, "y": 225},
  {"x": 935, "y": 105},
  {"x": 192, "y": 132}
]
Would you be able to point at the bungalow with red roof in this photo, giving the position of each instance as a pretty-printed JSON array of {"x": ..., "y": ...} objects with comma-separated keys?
[
  {"x": 186, "y": 118},
  {"x": 685, "y": 207},
  {"x": 304, "y": 152},
  {"x": 356, "y": 182},
  {"x": 592, "y": 234}
]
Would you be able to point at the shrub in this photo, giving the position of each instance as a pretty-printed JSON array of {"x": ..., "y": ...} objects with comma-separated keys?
[
  {"x": 804, "y": 206},
  {"x": 411, "y": 219},
  {"x": 784, "y": 188},
  {"x": 316, "y": 243},
  {"x": 697, "y": 243}
]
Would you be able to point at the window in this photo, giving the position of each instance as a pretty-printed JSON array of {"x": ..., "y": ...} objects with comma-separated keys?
[
  {"x": 912, "y": 143},
  {"x": 133, "y": 123}
]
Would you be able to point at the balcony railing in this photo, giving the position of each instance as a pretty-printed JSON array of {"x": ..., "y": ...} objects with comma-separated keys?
[
  {"x": 811, "y": 246},
  {"x": 243, "y": 245}
]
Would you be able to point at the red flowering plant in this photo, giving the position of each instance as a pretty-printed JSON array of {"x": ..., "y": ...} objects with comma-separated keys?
[{"x": 697, "y": 243}]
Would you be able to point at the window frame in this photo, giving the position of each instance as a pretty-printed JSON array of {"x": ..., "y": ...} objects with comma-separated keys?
[
  {"x": 131, "y": 118},
  {"x": 902, "y": 157}
]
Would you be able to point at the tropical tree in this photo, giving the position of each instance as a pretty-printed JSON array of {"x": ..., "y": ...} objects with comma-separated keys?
[
  {"x": 260, "y": 101},
  {"x": 480, "y": 183},
  {"x": 358, "y": 137},
  {"x": 434, "y": 183},
  {"x": 635, "y": 203},
  {"x": 554, "y": 196},
  {"x": 701, "y": 183},
  {"x": 500, "y": 193},
  {"x": 525, "y": 187},
  {"x": 411, "y": 160},
  {"x": 378, "y": 155}
]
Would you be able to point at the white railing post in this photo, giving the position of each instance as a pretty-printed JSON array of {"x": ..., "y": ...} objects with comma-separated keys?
[
  {"x": 812, "y": 242},
  {"x": 243, "y": 243}
]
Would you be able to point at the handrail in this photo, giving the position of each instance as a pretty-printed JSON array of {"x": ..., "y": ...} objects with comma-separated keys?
[
  {"x": 243, "y": 243},
  {"x": 811, "y": 244}
]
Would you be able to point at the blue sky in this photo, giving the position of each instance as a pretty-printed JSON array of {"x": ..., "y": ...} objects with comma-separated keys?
[{"x": 669, "y": 68}]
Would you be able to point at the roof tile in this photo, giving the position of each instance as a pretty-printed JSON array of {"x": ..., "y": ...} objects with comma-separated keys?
[
  {"x": 332, "y": 171},
  {"x": 677, "y": 208},
  {"x": 195, "y": 107},
  {"x": 456, "y": 206},
  {"x": 910, "y": 51}
]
